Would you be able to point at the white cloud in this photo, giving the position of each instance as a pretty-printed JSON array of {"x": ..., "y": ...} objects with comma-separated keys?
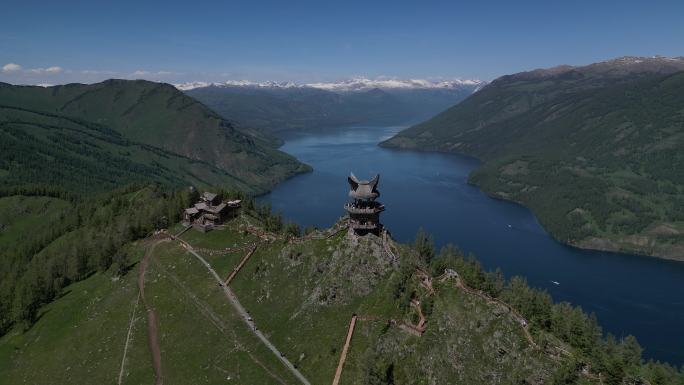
[
  {"x": 11, "y": 67},
  {"x": 152, "y": 73},
  {"x": 15, "y": 73},
  {"x": 45, "y": 71}
]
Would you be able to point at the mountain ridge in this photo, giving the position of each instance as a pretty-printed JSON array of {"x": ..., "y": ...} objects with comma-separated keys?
[
  {"x": 586, "y": 148},
  {"x": 278, "y": 109},
  {"x": 152, "y": 114}
]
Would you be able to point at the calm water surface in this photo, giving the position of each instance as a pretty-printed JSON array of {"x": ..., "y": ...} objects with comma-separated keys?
[{"x": 630, "y": 294}]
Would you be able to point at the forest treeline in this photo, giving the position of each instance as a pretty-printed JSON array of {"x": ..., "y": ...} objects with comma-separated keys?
[
  {"x": 88, "y": 237},
  {"x": 619, "y": 361},
  {"x": 91, "y": 236}
]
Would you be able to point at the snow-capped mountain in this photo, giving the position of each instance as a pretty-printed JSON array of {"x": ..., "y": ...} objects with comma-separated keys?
[
  {"x": 236, "y": 83},
  {"x": 359, "y": 84},
  {"x": 282, "y": 106},
  {"x": 354, "y": 84},
  {"x": 617, "y": 67}
]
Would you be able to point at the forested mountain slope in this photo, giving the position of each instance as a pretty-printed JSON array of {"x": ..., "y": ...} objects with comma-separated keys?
[
  {"x": 597, "y": 152},
  {"x": 278, "y": 109},
  {"x": 122, "y": 131},
  {"x": 85, "y": 169}
]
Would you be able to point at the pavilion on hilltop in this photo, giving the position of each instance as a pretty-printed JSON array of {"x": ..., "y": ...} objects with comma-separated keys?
[{"x": 364, "y": 211}]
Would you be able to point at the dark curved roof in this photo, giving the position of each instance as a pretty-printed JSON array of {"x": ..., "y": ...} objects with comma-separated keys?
[{"x": 363, "y": 189}]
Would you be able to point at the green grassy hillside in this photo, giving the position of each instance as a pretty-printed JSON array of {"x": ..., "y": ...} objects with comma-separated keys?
[
  {"x": 595, "y": 151},
  {"x": 122, "y": 131},
  {"x": 302, "y": 295},
  {"x": 89, "y": 326}
]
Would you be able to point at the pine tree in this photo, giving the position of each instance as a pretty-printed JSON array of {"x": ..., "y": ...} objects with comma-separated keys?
[{"x": 425, "y": 245}]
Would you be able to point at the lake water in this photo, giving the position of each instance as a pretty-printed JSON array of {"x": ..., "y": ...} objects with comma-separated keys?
[{"x": 634, "y": 295}]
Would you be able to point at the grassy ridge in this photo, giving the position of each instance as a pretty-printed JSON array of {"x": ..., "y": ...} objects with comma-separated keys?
[
  {"x": 302, "y": 296},
  {"x": 88, "y": 327},
  {"x": 88, "y": 324}
]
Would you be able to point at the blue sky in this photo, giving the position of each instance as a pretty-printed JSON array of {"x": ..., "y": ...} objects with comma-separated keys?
[{"x": 60, "y": 41}]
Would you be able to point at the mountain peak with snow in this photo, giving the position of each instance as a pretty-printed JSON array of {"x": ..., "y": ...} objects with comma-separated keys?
[
  {"x": 359, "y": 84},
  {"x": 348, "y": 85}
]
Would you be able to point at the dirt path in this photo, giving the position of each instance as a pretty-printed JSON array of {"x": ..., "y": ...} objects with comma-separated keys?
[
  {"x": 239, "y": 266},
  {"x": 421, "y": 317},
  {"x": 343, "y": 356},
  {"x": 425, "y": 281},
  {"x": 212, "y": 317},
  {"x": 186, "y": 228},
  {"x": 152, "y": 327},
  {"x": 521, "y": 320},
  {"x": 201, "y": 306},
  {"x": 385, "y": 243},
  {"x": 245, "y": 316},
  {"x": 128, "y": 339}
]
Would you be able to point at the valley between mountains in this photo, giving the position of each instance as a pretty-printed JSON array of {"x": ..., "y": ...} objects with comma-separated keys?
[{"x": 101, "y": 283}]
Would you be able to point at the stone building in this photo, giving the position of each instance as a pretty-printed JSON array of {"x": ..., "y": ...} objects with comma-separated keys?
[
  {"x": 364, "y": 211},
  {"x": 210, "y": 211}
]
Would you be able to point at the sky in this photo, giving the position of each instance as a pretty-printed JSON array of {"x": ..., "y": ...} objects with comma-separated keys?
[{"x": 53, "y": 42}]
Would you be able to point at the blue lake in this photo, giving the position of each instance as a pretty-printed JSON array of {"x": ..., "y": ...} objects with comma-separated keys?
[{"x": 635, "y": 295}]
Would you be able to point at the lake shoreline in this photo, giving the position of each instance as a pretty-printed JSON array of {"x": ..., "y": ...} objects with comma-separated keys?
[
  {"x": 594, "y": 243},
  {"x": 433, "y": 190}
]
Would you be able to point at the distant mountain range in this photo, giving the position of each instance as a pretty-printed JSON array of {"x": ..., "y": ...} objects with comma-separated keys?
[
  {"x": 84, "y": 138},
  {"x": 277, "y": 107},
  {"x": 596, "y": 151},
  {"x": 353, "y": 84}
]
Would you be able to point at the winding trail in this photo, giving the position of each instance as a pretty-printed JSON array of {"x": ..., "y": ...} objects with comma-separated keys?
[
  {"x": 128, "y": 339},
  {"x": 152, "y": 326},
  {"x": 519, "y": 317},
  {"x": 420, "y": 326},
  {"x": 245, "y": 316}
]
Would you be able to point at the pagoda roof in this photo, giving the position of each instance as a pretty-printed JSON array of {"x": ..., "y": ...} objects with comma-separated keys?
[{"x": 363, "y": 189}]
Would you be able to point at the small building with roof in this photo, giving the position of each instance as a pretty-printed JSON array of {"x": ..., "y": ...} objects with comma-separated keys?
[{"x": 210, "y": 211}]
